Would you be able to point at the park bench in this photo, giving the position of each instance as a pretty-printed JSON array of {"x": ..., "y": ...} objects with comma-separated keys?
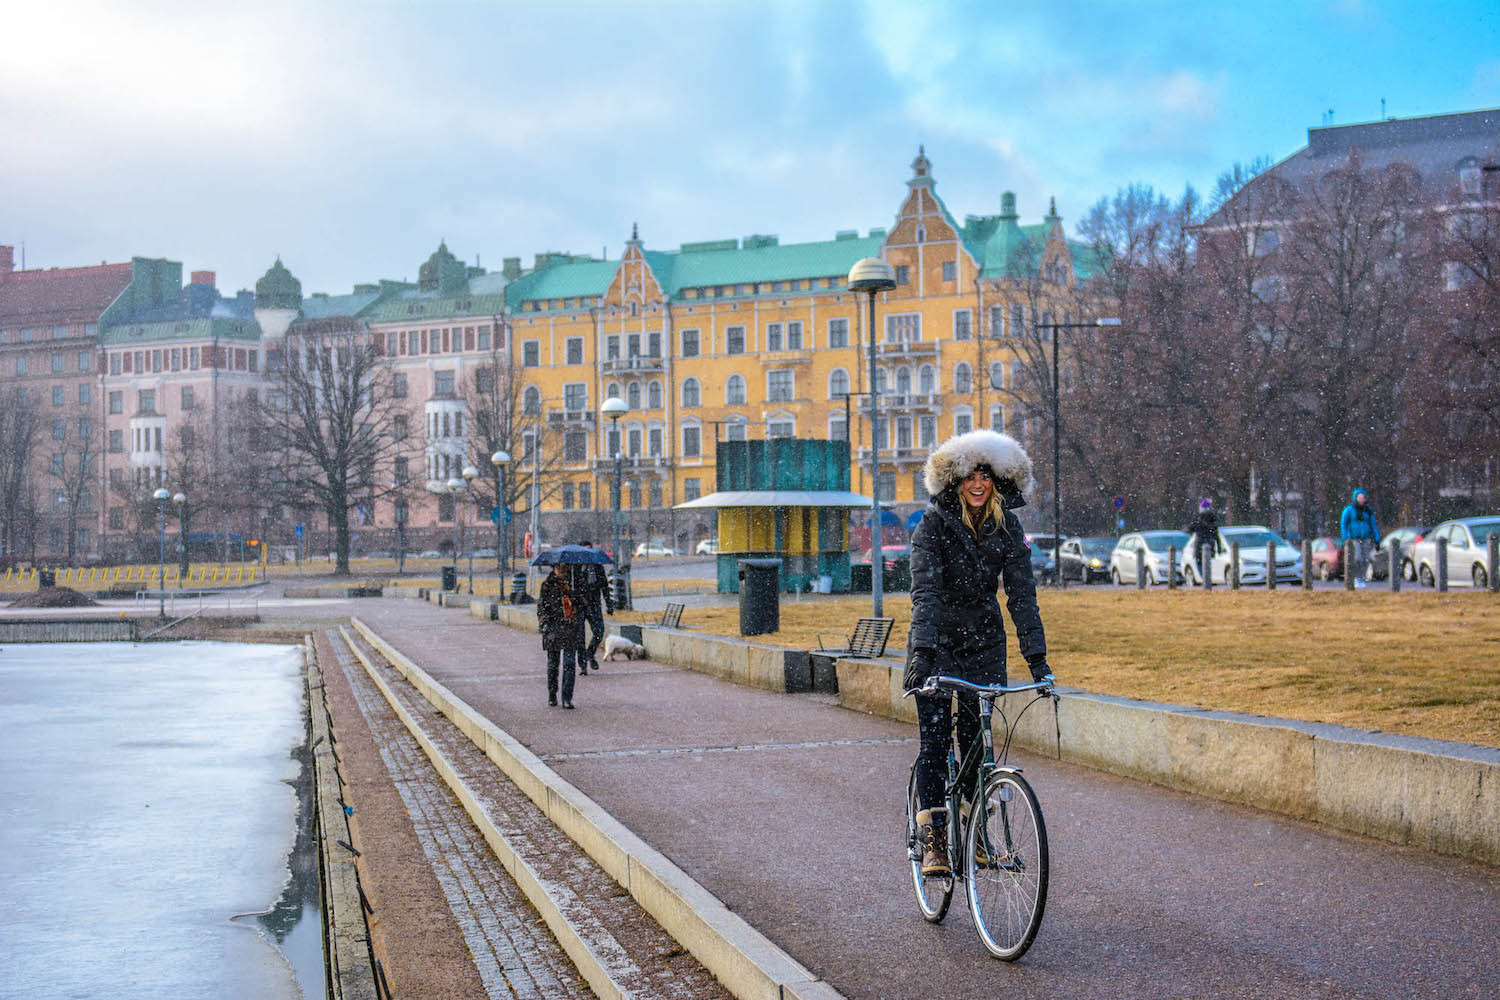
[
  {"x": 671, "y": 616},
  {"x": 867, "y": 642}
]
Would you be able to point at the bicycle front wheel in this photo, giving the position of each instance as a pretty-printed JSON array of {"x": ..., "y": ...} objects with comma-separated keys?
[
  {"x": 933, "y": 894},
  {"x": 1005, "y": 860}
]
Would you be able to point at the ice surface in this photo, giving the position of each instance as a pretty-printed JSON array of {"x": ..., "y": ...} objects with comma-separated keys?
[{"x": 145, "y": 802}]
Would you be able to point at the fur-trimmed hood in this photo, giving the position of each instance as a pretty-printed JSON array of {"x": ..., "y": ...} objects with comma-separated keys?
[{"x": 962, "y": 454}]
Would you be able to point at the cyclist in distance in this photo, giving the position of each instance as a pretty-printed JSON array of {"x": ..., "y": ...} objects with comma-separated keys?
[{"x": 967, "y": 543}]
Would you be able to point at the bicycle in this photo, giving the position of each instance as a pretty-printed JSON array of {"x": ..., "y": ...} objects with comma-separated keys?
[{"x": 1003, "y": 857}]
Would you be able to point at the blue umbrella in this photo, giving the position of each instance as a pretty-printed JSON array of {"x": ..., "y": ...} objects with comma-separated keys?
[
  {"x": 886, "y": 517},
  {"x": 571, "y": 554}
]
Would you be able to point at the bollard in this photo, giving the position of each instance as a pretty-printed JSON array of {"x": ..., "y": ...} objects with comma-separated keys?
[
  {"x": 1234, "y": 565},
  {"x": 1270, "y": 565},
  {"x": 1493, "y": 562},
  {"x": 1171, "y": 567},
  {"x": 1206, "y": 566},
  {"x": 1394, "y": 557},
  {"x": 1349, "y": 567},
  {"x": 1307, "y": 564},
  {"x": 1140, "y": 566},
  {"x": 1442, "y": 565}
]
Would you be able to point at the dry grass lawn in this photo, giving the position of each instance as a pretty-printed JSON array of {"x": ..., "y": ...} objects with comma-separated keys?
[{"x": 1420, "y": 664}]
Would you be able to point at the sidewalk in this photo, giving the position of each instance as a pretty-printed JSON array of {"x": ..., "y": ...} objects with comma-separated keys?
[{"x": 790, "y": 810}]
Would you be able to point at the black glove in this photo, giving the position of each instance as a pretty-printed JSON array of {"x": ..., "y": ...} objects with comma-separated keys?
[
  {"x": 1039, "y": 668},
  {"x": 919, "y": 667}
]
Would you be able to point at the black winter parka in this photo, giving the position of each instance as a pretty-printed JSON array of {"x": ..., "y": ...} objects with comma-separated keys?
[
  {"x": 955, "y": 611},
  {"x": 559, "y": 632}
]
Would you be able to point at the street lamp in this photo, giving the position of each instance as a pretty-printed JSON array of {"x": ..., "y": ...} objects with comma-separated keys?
[
  {"x": 470, "y": 473},
  {"x": 614, "y": 408},
  {"x": 161, "y": 496},
  {"x": 454, "y": 485},
  {"x": 1057, "y": 572},
  {"x": 500, "y": 460},
  {"x": 400, "y": 487},
  {"x": 180, "y": 500},
  {"x": 873, "y": 275}
]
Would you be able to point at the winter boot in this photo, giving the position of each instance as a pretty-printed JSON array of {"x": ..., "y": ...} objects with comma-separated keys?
[{"x": 932, "y": 828}]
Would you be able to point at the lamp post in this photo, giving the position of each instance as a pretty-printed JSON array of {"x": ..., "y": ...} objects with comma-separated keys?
[
  {"x": 470, "y": 474},
  {"x": 400, "y": 487},
  {"x": 614, "y": 408},
  {"x": 1057, "y": 572},
  {"x": 181, "y": 501},
  {"x": 873, "y": 275},
  {"x": 454, "y": 485},
  {"x": 500, "y": 460},
  {"x": 162, "y": 497}
]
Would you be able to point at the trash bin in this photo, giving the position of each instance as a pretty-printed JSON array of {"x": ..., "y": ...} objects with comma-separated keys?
[
  {"x": 622, "y": 588},
  {"x": 46, "y": 578},
  {"x": 518, "y": 588},
  {"x": 760, "y": 596},
  {"x": 859, "y": 578},
  {"x": 450, "y": 578}
]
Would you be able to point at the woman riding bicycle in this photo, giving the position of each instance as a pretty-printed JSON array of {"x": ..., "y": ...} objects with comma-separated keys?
[{"x": 967, "y": 543}]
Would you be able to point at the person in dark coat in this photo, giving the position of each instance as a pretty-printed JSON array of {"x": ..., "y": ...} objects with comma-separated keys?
[
  {"x": 591, "y": 585},
  {"x": 561, "y": 622},
  {"x": 1205, "y": 531},
  {"x": 968, "y": 543}
]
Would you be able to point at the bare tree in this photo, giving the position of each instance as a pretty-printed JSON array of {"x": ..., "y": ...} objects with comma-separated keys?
[
  {"x": 327, "y": 426},
  {"x": 73, "y": 474},
  {"x": 17, "y": 491}
]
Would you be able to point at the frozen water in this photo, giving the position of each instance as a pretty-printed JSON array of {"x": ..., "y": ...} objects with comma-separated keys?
[{"x": 145, "y": 803}]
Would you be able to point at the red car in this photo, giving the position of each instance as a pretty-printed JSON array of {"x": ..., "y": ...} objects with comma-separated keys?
[{"x": 1327, "y": 558}]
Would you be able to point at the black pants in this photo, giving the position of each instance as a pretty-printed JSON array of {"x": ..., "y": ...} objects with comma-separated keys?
[
  {"x": 569, "y": 659},
  {"x": 935, "y": 724},
  {"x": 593, "y": 612}
]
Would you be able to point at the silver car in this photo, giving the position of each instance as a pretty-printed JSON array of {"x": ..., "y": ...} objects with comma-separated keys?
[
  {"x": 1154, "y": 545},
  {"x": 1468, "y": 551},
  {"x": 1253, "y": 539}
]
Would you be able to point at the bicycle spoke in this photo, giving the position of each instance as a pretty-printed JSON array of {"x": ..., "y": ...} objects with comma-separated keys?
[{"x": 1007, "y": 899}]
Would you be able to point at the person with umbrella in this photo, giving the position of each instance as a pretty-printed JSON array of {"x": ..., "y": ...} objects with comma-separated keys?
[
  {"x": 560, "y": 616},
  {"x": 591, "y": 584}
]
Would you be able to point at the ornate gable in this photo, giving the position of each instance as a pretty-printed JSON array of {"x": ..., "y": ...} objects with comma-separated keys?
[{"x": 634, "y": 281}]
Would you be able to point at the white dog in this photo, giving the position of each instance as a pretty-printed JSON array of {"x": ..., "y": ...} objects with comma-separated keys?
[{"x": 619, "y": 644}]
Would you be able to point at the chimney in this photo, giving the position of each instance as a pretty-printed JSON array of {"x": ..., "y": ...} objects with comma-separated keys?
[
  {"x": 7, "y": 260},
  {"x": 203, "y": 278}
]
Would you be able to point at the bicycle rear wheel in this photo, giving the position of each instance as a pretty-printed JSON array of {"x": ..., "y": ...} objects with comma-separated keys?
[
  {"x": 1005, "y": 861},
  {"x": 933, "y": 894}
]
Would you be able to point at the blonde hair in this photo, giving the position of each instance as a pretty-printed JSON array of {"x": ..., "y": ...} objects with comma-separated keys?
[{"x": 993, "y": 510}]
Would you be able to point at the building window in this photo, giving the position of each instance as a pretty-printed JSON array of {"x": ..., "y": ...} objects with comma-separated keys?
[
  {"x": 963, "y": 324},
  {"x": 794, "y": 336},
  {"x": 654, "y": 493},
  {"x": 903, "y": 328},
  {"x": 838, "y": 333},
  {"x": 531, "y": 353},
  {"x": 903, "y": 433},
  {"x": 997, "y": 419},
  {"x": 997, "y": 375},
  {"x": 927, "y": 379},
  {"x": 23, "y": 365},
  {"x": 575, "y": 350},
  {"x": 116, "y": 441},
  {"x": 633, "y": 442},
  {"x": 963, "y": 378},
  {"x": 950, "y": 270},
  {"x": 963, "y": 423},
  {"x": 114, "y": 363},
  {"x": 400, "y": 428},
  {"x": 903, "y": 274},
  {"x": 1017, "y": 321},
  {"x": 838, "y": 429},
  {"x": 633, "y": 395},
  {"x": 734, "y": 391},
  {"x": 585, "y": 497},
  {"x": 531, "y": 401},
  {"x": 691, "y": 393},
  {"x": 59, "y": 395},
  {"x": 86, "y": 428},
  {"x": 692, "y": 441},
  {"x": 576, "y": 446},
  {"x": 116, "y": 514},
  {"x": 781, "y": 428},
  {"x": 692, "y": 488},
  {"x": 888, "y": 484},
  {"x": 690, "y": 343},
  {"x": 146, "y": 400},
  {"x": 654, "y": 442},
  {"x": 918, "y": 485},
  {"x": 635, "y": 494},
  {"x": 633, "y": 345},
  {"x": 484, "y": 338},
  {"x": 58, "y": 364},
  {"x": 576, "y": 396},
  {"x": 773, "y": 336},
  {"x": 653, "y": 345},
  {"x": 117, "y": 402},
  {"x": 85, "y": 361},
  {"x": 734, "y": 340},
  {"x": 734, "y": 430},
  {"x": 653, "y": 395},
  {"x": 85, "y": 394},
  {"x": 779, "y": 386},
  {"x": 927, "y": 431},
  {"x": 1017, "y": 374},
  {"x": 997, "y": 321},
  {"x": 445, "y": 507},
  {"x": 398, "y": 387},
  {"x": 903, "y": 381},
  {"x": 442, "y": 383},
  {"x": 838, "y": 383},
  {"x": 567, "y": 496}
]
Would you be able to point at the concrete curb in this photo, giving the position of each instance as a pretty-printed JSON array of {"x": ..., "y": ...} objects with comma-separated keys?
[{"x": 746, "y": 962}]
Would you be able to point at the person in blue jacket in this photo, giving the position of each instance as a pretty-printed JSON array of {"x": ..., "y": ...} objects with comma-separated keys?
[{"x": 1357, "y": 524}]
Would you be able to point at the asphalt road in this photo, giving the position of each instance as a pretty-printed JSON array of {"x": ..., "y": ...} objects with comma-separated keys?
[{"x": 790, "y": 810}]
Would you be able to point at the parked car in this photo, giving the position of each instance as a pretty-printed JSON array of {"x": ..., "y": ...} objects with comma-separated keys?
[
  {"x": 1155, "y": 545},
  {"x": 1468, "y": 551},
  {"x": 1043, "y": 556},
  {"x": 652, "y": 550},
  {"x": 1086, "y": 559},
  {"x": 890, "y": 555},
  {"x": 707, "y": 547},
  {"x": 1253, "y": 539},
  {"x": 381, "y": 554},
  {"x": 1379, "y": 564},
  {"x": 431, "y": 554},
  {"x": 1327, "y": 558},
  {"x": 485, "y": 553}
]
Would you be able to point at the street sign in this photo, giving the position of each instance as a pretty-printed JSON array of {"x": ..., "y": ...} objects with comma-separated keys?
[
  {"x": 498, "y": 514},
  {"x": 299, "y": 531},
  {"x": 1119, "y": 503}
]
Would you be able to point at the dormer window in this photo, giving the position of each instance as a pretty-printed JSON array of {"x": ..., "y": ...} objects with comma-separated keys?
[{"x": 921, "y": 234}]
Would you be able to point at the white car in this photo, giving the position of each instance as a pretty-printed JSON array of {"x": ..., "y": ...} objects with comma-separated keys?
[
  {"x": 1468, "y": 551},
  {"x": 648, "y": 550},
  {"x": 1154, "y": 544},
  {"x": 1253, "y": 539},
  {"x": 708, "y": 547}
]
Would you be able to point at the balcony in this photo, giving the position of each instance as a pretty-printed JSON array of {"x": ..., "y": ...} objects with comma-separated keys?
[
  {"x": 909, "y": 349},
  {"x": 638, "y": 463},
  {"x": 900, "y": 456},
  {"x": 926, "y": 402},
  {"x": 571, "y": 418},
  {"x": 618, "y": 366},
  {"x": 786, "y": 357}
]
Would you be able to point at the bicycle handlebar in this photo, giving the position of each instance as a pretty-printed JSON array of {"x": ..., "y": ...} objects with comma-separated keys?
[{"x": 934, "y": 685}]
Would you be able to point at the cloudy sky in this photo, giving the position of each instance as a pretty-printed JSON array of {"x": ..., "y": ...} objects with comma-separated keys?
[{"x": 350, "y": 137}]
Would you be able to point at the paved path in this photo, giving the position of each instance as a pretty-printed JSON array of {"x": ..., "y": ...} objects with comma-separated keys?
[{"x": 790, "y": 810}]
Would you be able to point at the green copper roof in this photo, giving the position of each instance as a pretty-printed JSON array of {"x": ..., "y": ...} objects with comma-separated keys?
[
  {"x": 278, "y": 289},
  {"x": 442, "y": 272},
  {"x": 563, "y": 281},
  {"x": 326, "y": 306},
  {"x": 203, "y": 328}
]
